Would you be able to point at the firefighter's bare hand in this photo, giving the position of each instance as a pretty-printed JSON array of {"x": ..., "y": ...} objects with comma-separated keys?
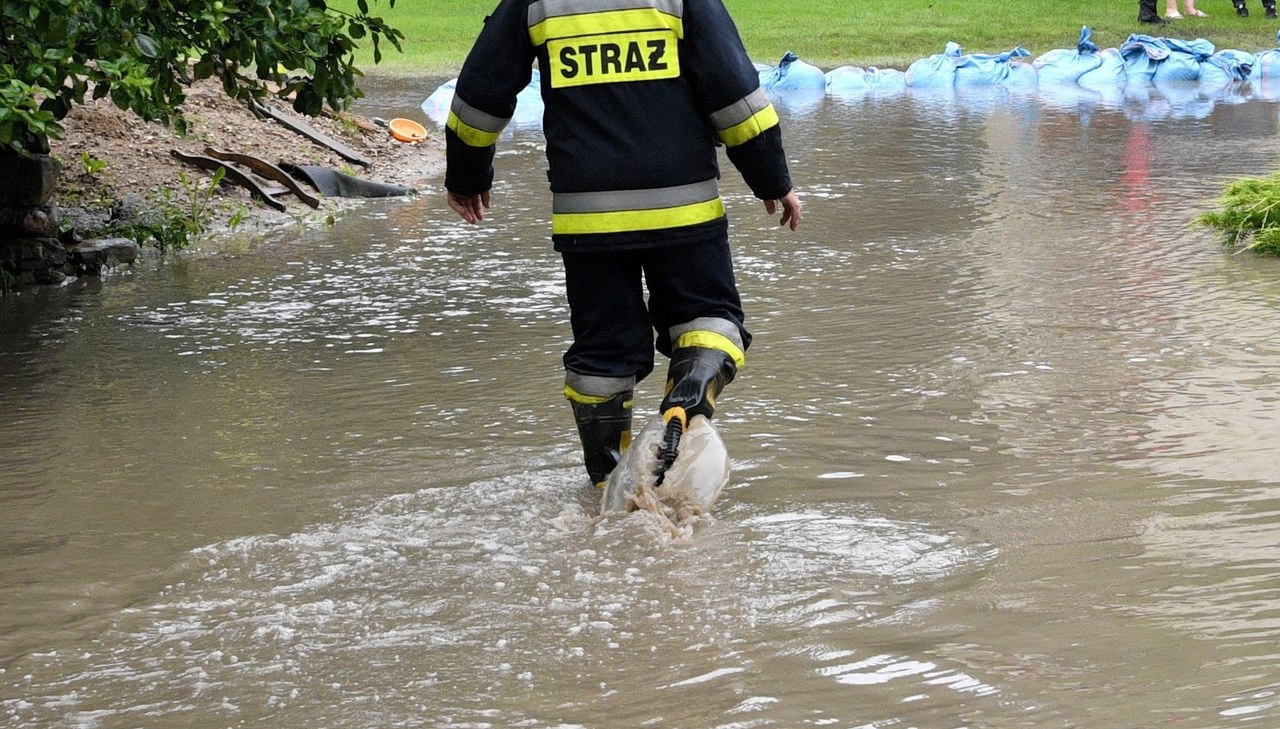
[
  {"x": 792, "y": 209},
  {"x": 470, "y": 207}
]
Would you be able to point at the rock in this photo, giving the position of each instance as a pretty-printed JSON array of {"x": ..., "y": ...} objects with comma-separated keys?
[
  {"x": 90, "y": 256},
  {"x": 29, "y": 181},
  {"x": 86, "y": 220},
  {"x": 28, "y": 222}
]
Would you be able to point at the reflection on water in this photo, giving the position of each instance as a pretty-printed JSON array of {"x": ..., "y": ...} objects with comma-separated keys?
[{"x": 1001, "y": 456}]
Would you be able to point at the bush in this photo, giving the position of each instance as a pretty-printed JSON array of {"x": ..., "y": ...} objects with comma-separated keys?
[
  {"x": 1250, "y": 216},
  {"x": 141, "y": 53}
]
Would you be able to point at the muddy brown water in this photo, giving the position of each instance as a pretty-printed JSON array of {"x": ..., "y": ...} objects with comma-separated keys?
[{"x": 1004, "y": 456}]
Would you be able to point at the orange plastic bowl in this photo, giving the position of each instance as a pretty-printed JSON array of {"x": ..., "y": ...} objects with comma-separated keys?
[{"x": 407, "y": 130}]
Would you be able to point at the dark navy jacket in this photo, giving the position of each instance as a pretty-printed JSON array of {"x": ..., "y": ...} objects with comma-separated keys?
[{"x": 637, "y": 93}]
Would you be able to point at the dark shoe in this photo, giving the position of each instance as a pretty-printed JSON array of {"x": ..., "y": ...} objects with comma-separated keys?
[
  {"x": 1271, "y": 13},
  {"x": 1242, "y": 11},
  {"x": 605, "y": 431},
  {"x": 1154, "y": 20}
]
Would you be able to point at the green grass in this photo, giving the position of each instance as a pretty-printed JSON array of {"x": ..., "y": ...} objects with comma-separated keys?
[{"x": 885, "y": 33}]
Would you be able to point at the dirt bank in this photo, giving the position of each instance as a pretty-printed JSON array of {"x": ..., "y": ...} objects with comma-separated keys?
[{"x": 115, "y": 167}]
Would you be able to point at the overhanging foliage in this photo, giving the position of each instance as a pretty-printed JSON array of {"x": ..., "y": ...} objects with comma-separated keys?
[{"x": 141, "y": 53}]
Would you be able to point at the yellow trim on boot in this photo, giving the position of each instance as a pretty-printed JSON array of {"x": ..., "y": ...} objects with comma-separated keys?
[
  {"x": 712, "y": 340},
  {"x": 676, "y": 412},
  {"x": 573, "y": 395}
]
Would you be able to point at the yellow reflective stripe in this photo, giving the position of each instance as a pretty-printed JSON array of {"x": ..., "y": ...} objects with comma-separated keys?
[
  {"x": 613, "y": 21},
  {"x": 573, "y": 395},
  {"x": 470, "y": 135},
  {"x": 749, "y": 129},
  {"x": 711, "y": 340},
  {"x": 624, "y": 221}
]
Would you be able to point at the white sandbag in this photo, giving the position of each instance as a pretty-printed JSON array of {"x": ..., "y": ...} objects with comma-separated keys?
[{"x": 692, "y": 484}]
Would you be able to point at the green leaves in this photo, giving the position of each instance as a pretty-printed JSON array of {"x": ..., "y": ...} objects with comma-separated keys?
[
  {"x": 135, "y": 52},
  {"x": 1250, "y": 216}
]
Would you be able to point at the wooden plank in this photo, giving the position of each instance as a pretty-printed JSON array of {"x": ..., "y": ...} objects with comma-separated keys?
[
  {"x": 232, "y": 173},
  {"x": 293, "y": 123},
  {"x": 266, "y": 170}
]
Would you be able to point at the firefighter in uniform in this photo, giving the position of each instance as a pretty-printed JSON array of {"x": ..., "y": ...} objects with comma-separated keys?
[{"x": 637, "y": 94}]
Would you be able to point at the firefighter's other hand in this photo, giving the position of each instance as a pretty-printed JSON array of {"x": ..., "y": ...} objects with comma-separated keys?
[
  {"x": 470, "y": 207},
  {"x": 792, "y": 209}
]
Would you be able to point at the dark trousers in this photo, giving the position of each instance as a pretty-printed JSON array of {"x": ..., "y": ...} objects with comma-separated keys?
[
  {"x": 1147, "y": 10},
  {"x": 614, "y": 327}
]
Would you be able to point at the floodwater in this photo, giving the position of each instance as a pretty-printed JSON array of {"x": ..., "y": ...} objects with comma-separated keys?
[{"x": 1004, "y": 456}]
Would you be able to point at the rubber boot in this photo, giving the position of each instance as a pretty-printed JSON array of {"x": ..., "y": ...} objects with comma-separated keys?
[
  {"x": 1270, "y": 7},
  {"x": 1241, "y": 10},
  {"x": 695, "y": 378},
  {"x": 1147, "y": 13},
  {"x": 605, "y": 430}
]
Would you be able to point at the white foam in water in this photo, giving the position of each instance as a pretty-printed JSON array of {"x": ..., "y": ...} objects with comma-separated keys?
[{"x": 454, "y": 605}]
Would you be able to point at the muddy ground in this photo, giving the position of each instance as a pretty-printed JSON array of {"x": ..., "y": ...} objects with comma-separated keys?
[{"x": 115, "y": 167}]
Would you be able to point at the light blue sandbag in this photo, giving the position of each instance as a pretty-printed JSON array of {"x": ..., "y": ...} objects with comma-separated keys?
[
  {"x": 1267, "y": 63},
  {"x": 1183, "y": 63},
  {"x": 529, "y": 106},
  {"x": 982, "y": 69},
  {"x": 1065, "y": 66},
  {"x": 1225, "y": 68},
  {"x": 886, "y": 79},
  {"x": 855, "y": 81},
  {"x": 436, "y": 106},
  {"x": 792, "y": 74},
  {"x": 938, "y": 70},
  {"x": 1021, "y": 75},
  {"x": 846, "y": 80},
  {"x": 1142, "y": 54},
  {"x": 1110, "y": 73}
]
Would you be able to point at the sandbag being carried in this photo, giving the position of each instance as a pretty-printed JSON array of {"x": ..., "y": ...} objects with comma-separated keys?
[{"x": 1064, "y": 65}]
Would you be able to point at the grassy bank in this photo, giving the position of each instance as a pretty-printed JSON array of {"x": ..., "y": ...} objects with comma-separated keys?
[{"x": 886, "y": 33}]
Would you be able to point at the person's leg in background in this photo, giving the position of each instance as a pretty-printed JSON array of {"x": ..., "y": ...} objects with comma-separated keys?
[{"x": 1147, "y": 13}]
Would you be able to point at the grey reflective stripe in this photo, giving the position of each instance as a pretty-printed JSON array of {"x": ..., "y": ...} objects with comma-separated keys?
[
  {"x": 475, "y": 118},
  {"x": 740, "y": 110},
  {"x": 543, "y": 9},
  {"x": 599, "y": 386},
  {"x": 727, "y": 329},
  {"x": 611, "y": 201}
]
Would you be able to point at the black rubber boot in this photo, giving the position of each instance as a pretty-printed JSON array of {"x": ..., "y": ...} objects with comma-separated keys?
[
  {"x": 695, "y": 378},
  {"x": 605, "y": 431},
  {"x": 1241, "y": 10},
  {"x": 1147, "y": 13},
  {"x": 1270, "y": 8}
]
